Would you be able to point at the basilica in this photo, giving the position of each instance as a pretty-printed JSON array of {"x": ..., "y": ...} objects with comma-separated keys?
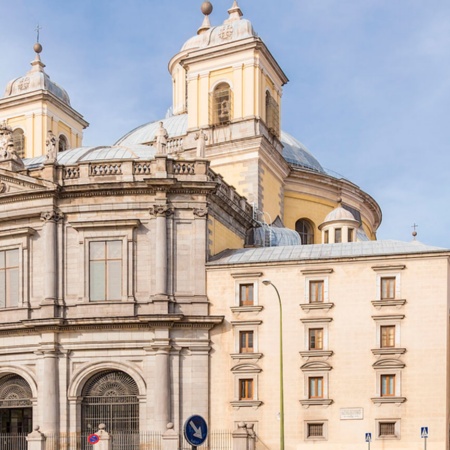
[{"x": 206, "y": 263}]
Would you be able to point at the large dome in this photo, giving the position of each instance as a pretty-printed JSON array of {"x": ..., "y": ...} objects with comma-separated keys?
[{"x": 294, "y": 152}]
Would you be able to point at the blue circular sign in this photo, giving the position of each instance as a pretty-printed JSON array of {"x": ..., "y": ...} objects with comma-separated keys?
[
  {"x": 93, "y": 439},
  {"x": 195, "y": 430}
]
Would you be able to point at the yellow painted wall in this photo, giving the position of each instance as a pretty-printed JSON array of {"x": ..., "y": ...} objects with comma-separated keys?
[{"x": 221, "y": 237}]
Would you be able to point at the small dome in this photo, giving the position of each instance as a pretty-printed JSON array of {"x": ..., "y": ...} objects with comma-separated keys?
[
  {"x": 36, "y": 80},
  {"x": 339, "y": 215}
]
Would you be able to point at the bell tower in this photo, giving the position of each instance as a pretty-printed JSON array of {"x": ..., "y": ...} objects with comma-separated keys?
[
  {"x": 33, "y": 106},
  {"x": 228, "y": 83}
]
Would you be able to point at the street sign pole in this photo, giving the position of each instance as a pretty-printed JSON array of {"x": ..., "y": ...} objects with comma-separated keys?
[
  {"x": 424, "y": 436},
  {"x": 368, "y": 438}
]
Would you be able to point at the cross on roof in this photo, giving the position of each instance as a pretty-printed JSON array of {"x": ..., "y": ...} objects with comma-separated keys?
[{"x": 38, "y": 28}]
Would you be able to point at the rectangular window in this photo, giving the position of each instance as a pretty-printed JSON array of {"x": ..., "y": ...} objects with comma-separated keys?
[
  {"x": 315, "y": 387},
  {"x": 387, "y": 288},
  {"x": 105, "y": 270},
  {"x": 387, "y": 385},
  {"x": 9, "y": 278},
  {"x": 338, "y": 235},
  {"x": 246, "y": 342},
  {"x": 316, "y": 338},
  {"x": 246, "y": 297},
  {"x": 349, "y": 235},
  {"x": 315, "y": 430},
  {"x": 326, "y": 237},
  {"x": 246, "y": 389},
  {"x": 386, "y": 429},
  {"x": 387, "y": 334},
  {"x": 316, "y": 291}
]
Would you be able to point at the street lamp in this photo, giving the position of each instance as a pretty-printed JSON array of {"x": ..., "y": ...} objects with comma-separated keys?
[{"x": 267, "y": 283}]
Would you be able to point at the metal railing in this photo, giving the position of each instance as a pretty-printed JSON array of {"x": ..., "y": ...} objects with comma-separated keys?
[{"x": 16, "y": 441}]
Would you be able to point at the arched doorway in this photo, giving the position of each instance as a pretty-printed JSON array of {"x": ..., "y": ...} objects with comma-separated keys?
[
  {"x": 16, "y": 411},
  {"x": 111, "y": 397}
]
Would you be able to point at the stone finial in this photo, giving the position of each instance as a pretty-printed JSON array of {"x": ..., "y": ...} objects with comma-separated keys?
[
  {"x": 201, "y": 139},
  {"x": 235, "y": 12},
  {"x": 51, "y": 144},
  {"x": 161, "y": 136},
  {"x": 206, "y": 8}
]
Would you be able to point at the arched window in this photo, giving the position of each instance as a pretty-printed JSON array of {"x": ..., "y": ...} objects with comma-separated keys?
[
  {"x": 111, "y": 397},
  {"x": 19, "y": 142},
  {"x": 272, "y": 115},
  {"x": 306, "y": 231},
  {"x": 63, "y": 144},
  {"x": 221, "y": 105},
  {"x": 16, "y": 411}
]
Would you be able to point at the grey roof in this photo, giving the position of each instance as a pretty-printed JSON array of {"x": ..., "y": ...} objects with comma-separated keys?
[
  {"x": 322, "y": 251},
  {"x": 102, "y": 153},
  {"x": 294, "y": 152}
]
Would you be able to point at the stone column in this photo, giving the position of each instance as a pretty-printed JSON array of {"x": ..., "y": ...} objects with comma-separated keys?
[
  {"x": 50, "y": 254},
  {"x": 50, "y": 393},
  {"x": 162, "y": 384},
  {"x": 161, "y": 212}
]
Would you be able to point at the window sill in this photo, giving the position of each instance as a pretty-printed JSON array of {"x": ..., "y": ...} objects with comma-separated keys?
[
  {"x": 388, "y": 351},
  {"x": 316, "y": 402},
  {"x": 316, "y": 438},
  {"x": 381, "y": 303},
  {"x": 246, "y": 355},
  {"x": 239, "y": 309},
  {"x": 383, "y": 400},
  {"x": 255, "y": 404},
  {"x": 316, "y": 354},
  {"x": 317, "y": 305}
]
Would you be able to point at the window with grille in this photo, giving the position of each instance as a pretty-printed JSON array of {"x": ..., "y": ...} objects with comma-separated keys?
[
  {"x": 272, "y": 115},
  {"x": 246, "y": 342},
  {"x": 316, "y": 338},
  {"x": 316, "y": 291},
  {"x": 221, "y": 105},
  {"x": 9, "y": 278},
  {"x": 105, "y": 270},
  {"x": 387, "y": 385},
  {"x": 246, "y": 294},
  {"x": 386, "y": 429},
  {"x": 315, "y": 387},
  {"x": 306, "y": 231},
  {"x": 246, "y": 389},
  {"x": 387, "y": 334},
  {"x": 18, "y": 137},
  {"x": 315, "y": 430},
  {"x": 387, "y": 288}
]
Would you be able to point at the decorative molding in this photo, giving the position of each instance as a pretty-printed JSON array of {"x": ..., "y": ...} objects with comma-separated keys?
[
  {"x": 246, "y": 404},
  {"x": 316, "y": 320},
  {"x": 246, "y": 355},
  {"x": 316, "y": 402},
  {"x": 316, "y": 305},
  {"x": 247, "y": 274},
  {"x": 200, "y": 212},
  {"x": 245, "y": 309},
  {"x": 317, "y": 271},
  {"x": 26, "y": 231},
  {"x": 316, "y": 354},
  {"x": 382, "y": 400},
  {"x": 391, "y": 267},
  {"x": 315, "y": 366},
  {"x": 390, "y": 351},
  {"x": 388, "y": 364},
  {"x": 90, "y": 224},
  {"x": 382, "y": 303},
  {"x": 246, "y": 323},
  {"x": 389, "y": 317},
  {"x": 161, "y": 211},
  {"x": 52, "y": 216}
]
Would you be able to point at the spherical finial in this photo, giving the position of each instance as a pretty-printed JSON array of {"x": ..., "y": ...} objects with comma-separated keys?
[
  {"x": 414, "y": 233},
  {"x": 207, "y": 8},
  {"x": 37, "y": 47}
]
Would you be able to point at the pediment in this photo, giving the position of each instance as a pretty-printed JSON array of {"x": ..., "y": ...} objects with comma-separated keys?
[
  {"x": 247, "y": 368},
  {"x": 315, "y": 365},
  {"x": 389, "y": 364},
  {"x": 16, "y": 183}
]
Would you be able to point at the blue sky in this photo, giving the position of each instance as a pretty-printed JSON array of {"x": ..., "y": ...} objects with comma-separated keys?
[{"x": 369, "y": 90}]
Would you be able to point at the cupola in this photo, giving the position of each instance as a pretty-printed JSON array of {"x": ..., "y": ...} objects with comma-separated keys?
[
  {"x": 339, "y": 226},
  {"x": 33, "y": 105}
]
